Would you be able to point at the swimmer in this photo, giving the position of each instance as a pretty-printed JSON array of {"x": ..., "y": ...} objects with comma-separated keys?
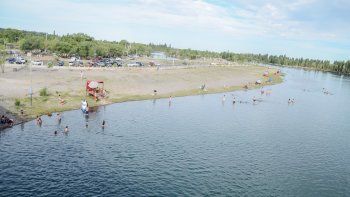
[
  {"x": 55, "y": 132},
  {"x": 66, "y": 129},
  {"x": 254, "y": 99},
  {"x": 233, "y": 100}
]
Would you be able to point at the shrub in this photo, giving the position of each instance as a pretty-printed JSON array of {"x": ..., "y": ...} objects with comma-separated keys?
[
  {"x": 17, "y": 102},
  {"x": 44, "y": 92},
  {"x": 49, "y": 64}
]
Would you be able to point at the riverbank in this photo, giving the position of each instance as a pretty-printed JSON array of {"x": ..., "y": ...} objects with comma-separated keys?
[{"x": 122, "y": 84}]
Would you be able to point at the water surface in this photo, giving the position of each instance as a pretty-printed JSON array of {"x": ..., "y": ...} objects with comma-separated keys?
[{"x": 198, "y": 145}]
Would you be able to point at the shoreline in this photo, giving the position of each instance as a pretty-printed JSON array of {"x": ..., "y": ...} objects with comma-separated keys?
[
  {"x": 48, "y": 105},
  {"x": 20, "y": 119}
]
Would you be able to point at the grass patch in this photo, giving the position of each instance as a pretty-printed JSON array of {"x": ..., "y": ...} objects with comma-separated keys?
[
  {"x": 17, "y": 102},
  {"x": 44, "y": 92}
]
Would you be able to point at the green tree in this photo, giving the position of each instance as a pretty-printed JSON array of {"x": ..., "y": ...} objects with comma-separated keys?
[{"x": 32, "y": 43}]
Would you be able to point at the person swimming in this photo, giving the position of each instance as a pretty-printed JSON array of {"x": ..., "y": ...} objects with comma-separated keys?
[
  {"x": 66, "y": 130},
  {"x": 55, "y": 132},
  {"x": 233, "y": 100},
  {"x": 254, "y": 99}
]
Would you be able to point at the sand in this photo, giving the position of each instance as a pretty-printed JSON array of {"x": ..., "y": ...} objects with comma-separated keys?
[{"x": 122, "y": 84}]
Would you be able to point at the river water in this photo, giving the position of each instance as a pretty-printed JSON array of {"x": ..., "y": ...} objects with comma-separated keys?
[{"x": 198, "y": 145}]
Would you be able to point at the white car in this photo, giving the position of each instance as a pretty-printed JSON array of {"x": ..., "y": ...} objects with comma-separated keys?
[
  {"x": 135, "y": 64},
  {"x": 37, "y": 63},
  {"x": 20, "y": 60}
]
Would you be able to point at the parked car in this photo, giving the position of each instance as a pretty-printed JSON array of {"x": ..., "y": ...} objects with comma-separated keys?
[
  {"x": 101, "y": 64},
  {"x": 75, "y": 61},
  {"x": 37, "y": 62},
  {"x": 11, "y": 60},
  {"x": 20, "y": 60},
  {"x": 60, "y": 63},
  {"x": 119, "y": 63},
  {"x": 135, "y": 64}
]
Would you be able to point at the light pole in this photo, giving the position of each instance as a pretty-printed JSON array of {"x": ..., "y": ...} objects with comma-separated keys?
[{"x": 31, "y": 80}]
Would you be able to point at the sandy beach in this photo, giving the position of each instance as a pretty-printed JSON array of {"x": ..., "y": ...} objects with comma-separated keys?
[{"x": 122, "y": 84}]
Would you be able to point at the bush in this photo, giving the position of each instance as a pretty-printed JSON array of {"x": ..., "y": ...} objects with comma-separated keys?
[
  {"x": 49, "y": 64},
  {"x": 44, "y": 92},
  {"x": 17, "y": 102}
]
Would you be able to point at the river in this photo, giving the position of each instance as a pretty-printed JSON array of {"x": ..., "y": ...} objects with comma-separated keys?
[{"x": 197, "y": 145}]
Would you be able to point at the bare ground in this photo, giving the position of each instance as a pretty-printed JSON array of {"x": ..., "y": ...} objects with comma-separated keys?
[{"x": 122, "y": 84}]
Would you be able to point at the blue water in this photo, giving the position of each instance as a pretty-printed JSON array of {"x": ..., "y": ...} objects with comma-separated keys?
[{"x": 198, "y": 145}]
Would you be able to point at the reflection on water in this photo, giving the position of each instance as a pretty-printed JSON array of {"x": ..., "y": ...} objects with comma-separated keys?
[{"x": 197, "y": 145}]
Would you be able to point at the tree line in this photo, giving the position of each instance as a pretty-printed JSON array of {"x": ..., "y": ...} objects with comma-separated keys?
[{"x": 85, "y": 46}]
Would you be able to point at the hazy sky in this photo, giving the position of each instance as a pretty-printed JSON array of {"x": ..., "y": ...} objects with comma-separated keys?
[{"x": 302, "y": 28}]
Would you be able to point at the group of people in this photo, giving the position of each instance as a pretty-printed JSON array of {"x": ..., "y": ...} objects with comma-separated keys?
[
  {"x": 291, "y": 101},
  {"x": 326, "y": 91},
  {"x": 65, "y": 131},
  {"x": 6, "y": 121},
  {"x": 254, "y": 99},
  {"x": 39, "y": 122}
]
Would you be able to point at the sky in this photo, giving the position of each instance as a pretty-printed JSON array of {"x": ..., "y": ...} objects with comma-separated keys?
[{"x": 318, "y": 29}]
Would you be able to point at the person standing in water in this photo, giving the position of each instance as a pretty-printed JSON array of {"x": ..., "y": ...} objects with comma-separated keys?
[
  {"x": 233, "y": 100},
  {"x": 103, "y": 124},
  {"x": 39, "y": 121},
  {"x": 66, "y": 130},
  {"x": 224, "y": 98},
  {"x": 59, "y": 118}
]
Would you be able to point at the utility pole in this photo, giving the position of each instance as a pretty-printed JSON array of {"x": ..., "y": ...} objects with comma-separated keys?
[
  {"x": 31, "y": 79},
  {"x": 45, "y": 42}
]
